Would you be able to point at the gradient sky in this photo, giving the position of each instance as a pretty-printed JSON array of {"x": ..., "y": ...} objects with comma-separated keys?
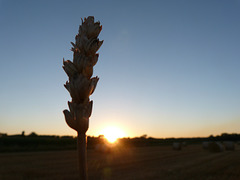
[{"x": 166, "y": 68}]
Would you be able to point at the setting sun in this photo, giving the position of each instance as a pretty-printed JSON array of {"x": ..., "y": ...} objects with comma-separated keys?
[{"x": 112, "y": 133}]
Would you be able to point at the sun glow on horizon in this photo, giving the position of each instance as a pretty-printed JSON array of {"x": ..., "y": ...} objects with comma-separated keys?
[{"x": 112, "y": 133}]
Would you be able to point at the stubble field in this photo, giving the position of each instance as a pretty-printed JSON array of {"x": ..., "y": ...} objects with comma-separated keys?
[{"x": 143, "y": 163}]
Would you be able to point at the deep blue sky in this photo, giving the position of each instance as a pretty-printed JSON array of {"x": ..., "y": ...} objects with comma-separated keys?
[{"x": 166, "y": 68}]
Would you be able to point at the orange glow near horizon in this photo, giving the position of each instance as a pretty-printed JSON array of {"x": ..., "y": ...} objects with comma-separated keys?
[{"x": 112, "y": 133}]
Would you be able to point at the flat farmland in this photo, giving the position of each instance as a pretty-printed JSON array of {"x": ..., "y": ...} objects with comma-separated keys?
[{"x": 143, "y": 163}]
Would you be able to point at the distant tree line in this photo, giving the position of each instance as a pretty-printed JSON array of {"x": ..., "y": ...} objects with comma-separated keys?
[
  {"x": 150, "y": 141},
  {"x": 35, "y": 142}
]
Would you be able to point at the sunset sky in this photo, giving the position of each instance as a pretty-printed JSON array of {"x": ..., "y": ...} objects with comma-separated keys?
[{"x": 167, "y": 68}]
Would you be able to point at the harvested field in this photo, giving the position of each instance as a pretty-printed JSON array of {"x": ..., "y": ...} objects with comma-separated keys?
[{"x": 146, "y": 163}]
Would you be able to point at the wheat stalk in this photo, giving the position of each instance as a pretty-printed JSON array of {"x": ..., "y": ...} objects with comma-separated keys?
[{"x": 81, "y": 84}]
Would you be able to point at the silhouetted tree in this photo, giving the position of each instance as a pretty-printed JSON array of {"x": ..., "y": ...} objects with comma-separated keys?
[
  {"x": 144, "y": 136},
  {"x": 33, "y": 134}
]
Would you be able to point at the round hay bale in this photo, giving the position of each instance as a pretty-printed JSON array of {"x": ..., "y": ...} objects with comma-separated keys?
[
  {"x": 205, "y": 144},
  {"x": 184, "y": 144},
  {"x": 229, "y": 145},
  {"x": 215, "y": 147},
  {"x": 177, "y": 146}
]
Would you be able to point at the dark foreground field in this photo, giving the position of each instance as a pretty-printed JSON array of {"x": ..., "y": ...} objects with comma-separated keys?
[{"x": 146, "y": 163}]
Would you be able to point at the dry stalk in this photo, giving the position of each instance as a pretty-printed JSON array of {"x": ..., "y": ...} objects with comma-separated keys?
[{"x": 81, "y": 84}]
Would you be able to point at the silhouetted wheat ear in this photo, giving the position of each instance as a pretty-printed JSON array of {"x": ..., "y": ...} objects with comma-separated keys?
[{"x": 81, "y": 84}]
